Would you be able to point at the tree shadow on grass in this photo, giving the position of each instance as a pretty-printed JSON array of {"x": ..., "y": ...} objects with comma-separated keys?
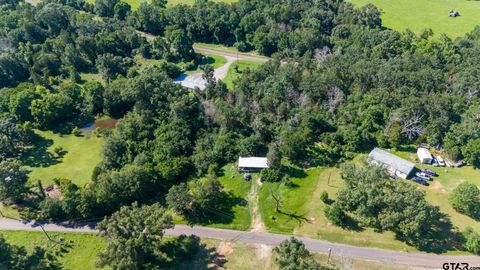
[
  {"x": 189, "y": 253},
  {"x": 300, "y": 218},
  {"x": 219, "y": 212},
  {"x": 351, "y": 224},
  {"x": 442, "y": 237},
  {"x": 407, "y": 148},
  {"x": 294, "y": 172},
  {"x": 38, "y": 155}
]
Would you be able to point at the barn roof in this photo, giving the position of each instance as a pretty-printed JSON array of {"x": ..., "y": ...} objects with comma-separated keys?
[
  {"x": 253, "y": 162},
  {"x": 391, "y": 160}
]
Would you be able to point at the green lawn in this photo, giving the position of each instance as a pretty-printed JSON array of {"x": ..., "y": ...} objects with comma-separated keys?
[
  {"x": 418, "y": 15},
  {"x": 232, "y": 74},
  {"x": 213, "y": 60},
  {"x": 238, "y": 217},
  {"x": 81, "y": 156},
  {"x": 80, "y": 249},
  {"x": 304, "y": 211},
  {"x": 438, "y": 191},
  {"x": 234, "y": 184}
]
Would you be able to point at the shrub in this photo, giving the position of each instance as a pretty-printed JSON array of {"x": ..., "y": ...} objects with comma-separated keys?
[
  {"x": 58, "y": 150},
  {"x": 287, "y": 182},
  {"x": 51, "y": 209},
  {"x": 472, "y": 241},
  {"x": 76, "y": 132},
  {"x": 465, "y": 198},
  {"x": 271, "y": 175},
  {"x": 335, "y": 214},
  {"x": 324, "y": 197}
]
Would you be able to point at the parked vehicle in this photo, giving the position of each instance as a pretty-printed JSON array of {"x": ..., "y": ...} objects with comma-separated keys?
[
  {"x": 424, "y": 176},
  {"x": 429, "y": 172},
  {"x": 420, "y": 181},
  {"x": 460, "y": 163},
  {"x": 435, "y": 163},
  {"x": 441, "y": 162}
]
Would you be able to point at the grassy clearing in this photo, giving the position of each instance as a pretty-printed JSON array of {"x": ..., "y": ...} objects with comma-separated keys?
[
  {"x": 80, "y": 250},
  {"x": 438, "y": 191},
  {"x": 81, "y": 155},
  {"x": 213, "y": 60},
  {"x": 418, "y": 15},
  {"x": 227, "y": 49},
  {"x": 234, "y": 73},
  {"x": 9, "y": 212},
  {"x": 233, "y": 183},
  {"x": 303, "y": 211},
  {"x": 238, "y": 216}
]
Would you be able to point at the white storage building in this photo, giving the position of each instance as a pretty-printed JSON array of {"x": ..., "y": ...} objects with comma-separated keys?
[
  {"x": 252, "y": 164},
  {"x": 395, "y": 165},
  {"x": 424, "y": 156}
]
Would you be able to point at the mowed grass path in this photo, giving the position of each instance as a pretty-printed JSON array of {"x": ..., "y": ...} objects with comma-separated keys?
[
  {"x": 418, "y": 15},
  {"x": 81, "y": 155}
]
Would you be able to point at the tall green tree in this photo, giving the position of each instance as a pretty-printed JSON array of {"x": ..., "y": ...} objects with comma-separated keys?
[
  {"x": 135, "y": 238},
  {"x": 465, "y": 198},
  {"x": 292, "y": 255},
  {"x": 13, "y": 181}
]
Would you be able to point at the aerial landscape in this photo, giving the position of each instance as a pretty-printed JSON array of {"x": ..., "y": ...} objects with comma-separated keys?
[{"x": 239, "y": 134}]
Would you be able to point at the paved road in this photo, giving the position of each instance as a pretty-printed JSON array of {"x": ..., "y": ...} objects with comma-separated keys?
[
  {"x": 373, "y": 254},
  {"x": 226, "y": 54}
]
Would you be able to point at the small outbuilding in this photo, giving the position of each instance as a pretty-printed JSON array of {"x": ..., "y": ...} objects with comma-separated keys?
[
  {"x": 395, "y": 165},
  {"x": 424, "y": 156},
  {"x": 252, "y": 164}
]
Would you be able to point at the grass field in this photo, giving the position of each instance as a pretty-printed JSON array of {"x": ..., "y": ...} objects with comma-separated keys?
[
  {"x": 418, "y": 15},
  {"x": 438, "y": 191},
  {"x": 233, "y": 183},
  {"x": 303, "y": 211},
  {"x": 80, "y": 249},
  {"x": 81, "y": 155},
  {"x": 213, "y": 60},
  {"x": 237, "y": 216},
  {"x": 233, "y": 74}
]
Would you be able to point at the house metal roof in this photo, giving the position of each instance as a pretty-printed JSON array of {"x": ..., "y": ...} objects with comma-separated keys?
[
  {"x": 253, "y": 162},
  {"x": 191, "y": 81},
  {"x": 391, "y": 160}
]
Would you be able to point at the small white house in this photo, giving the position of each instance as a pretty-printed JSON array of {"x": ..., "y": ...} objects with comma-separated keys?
[
  {"x": 252, "y": 164},
  {"x": 424, "y": 156}
]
